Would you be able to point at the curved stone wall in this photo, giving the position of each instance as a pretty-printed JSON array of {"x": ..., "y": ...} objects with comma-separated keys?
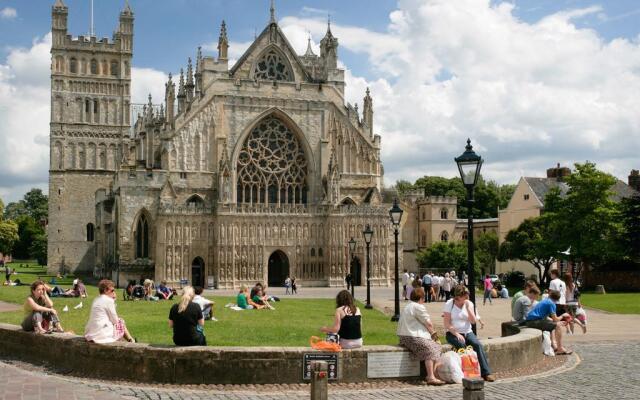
[{"x": 220, "y": 365}]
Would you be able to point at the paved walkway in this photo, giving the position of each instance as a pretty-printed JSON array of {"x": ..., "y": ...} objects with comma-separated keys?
[{"x": 605, "y": 370}]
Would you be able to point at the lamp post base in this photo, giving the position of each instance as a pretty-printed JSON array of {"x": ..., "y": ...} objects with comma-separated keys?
[
  {"x": 395, "y": 318},
  {"x": 368, "y": 306}
]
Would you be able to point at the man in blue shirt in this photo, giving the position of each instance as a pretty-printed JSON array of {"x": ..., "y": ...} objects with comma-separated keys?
[
  {"x": 543, "y": 316},
  {"x": 426, "y": 284}
]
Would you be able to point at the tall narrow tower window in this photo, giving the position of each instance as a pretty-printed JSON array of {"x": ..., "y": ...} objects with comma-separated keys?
[
  {"x": 90, "y": 232},
  {"x": 142, "y": 237},
  {"x": 94, "y": 67},
  {"x": 73, "y": 66}
]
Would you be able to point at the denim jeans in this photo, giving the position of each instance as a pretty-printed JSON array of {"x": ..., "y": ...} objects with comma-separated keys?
[
  {"x": 472, "y": 340},
  {"x": 487, "y": 295}
]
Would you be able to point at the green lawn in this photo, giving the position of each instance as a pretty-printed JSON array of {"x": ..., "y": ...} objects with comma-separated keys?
[
  {"x": 291, "y": 324},
  {"x": 621, "y": 303}
]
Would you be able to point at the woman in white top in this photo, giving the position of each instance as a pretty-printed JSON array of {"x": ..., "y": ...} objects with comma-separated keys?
[
  {"x": 447, "y": 284},
  {"x": 417, "y": 334},
  {"x": 459, "y": 315},
  {"x": 104, "y": 326}
]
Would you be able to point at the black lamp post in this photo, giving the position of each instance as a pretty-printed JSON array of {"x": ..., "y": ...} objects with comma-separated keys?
[
  {"x": 352, "y": 249},
  {"x": 396, "y": 215},
  {"x": 368, "y": 234},
  {"x": 469, "y": 164}
]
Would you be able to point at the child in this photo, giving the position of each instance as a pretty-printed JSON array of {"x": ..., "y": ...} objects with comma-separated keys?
[{"x": 581, "y": 318}]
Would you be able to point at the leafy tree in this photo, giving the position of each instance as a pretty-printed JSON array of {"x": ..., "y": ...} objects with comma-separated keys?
[
  {"x": 14, "y": 209},
  {"x": 486, "y": 250},
  {"x": 403, "y": 186},
  {"x": 588, "y": 218},
  {"x": 1, "y": 209},
  {"x": 28, "y": 230},
  {"x": 8, "y": 236},
  {"x": 630, "y": 215},
  {"x": 38, "y": 249},
  {"x": 532, "y": 241},
  {"x": 445, "y": 256}
]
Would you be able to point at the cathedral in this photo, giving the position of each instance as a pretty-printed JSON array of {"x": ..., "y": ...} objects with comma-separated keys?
[{"x": 247, "y": 172}]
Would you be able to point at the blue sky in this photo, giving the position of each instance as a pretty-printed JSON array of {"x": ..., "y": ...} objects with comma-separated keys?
[{"x": 532, "y": 82}]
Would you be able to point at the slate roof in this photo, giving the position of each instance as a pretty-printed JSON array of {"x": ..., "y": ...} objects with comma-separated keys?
[{"x": 542, "y": 186}]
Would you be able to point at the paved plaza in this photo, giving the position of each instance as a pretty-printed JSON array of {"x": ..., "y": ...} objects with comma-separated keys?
[{"x": 605, "y": 365}]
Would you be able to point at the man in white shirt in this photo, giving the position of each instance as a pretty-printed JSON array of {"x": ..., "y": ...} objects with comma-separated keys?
[
  {"x": 557, "y": 284},
  {"x": 405, "y": 282},
  {"x": 205, "y": 304}
]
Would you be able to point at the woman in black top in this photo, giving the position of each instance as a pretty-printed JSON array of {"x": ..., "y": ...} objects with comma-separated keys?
[
  {"x": 187, "y": 321},
  {"x": 347, "y": 323}
]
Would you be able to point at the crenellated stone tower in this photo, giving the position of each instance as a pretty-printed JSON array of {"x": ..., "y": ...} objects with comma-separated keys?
[{"x": 90, "y": 103}]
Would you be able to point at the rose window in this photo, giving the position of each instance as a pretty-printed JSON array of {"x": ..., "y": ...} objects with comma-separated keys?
[
  {"x": 273, "y": 67},
  {"x": 272, "y": 167}
]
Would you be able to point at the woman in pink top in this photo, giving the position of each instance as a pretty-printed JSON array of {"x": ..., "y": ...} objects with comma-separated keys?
[{"x": 487, "y": 290}]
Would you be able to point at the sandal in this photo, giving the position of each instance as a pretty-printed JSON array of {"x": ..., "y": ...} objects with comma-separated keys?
[
  {"x": 564, "y": 353},
  {"x": 436, "y": 382}
]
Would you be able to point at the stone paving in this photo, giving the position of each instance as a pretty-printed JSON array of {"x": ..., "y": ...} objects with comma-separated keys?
[{"x": 602, "y": 370}]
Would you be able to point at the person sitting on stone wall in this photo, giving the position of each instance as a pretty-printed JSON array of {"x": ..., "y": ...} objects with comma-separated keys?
[
  {"x": 525, "y": 304},
  {"x": 543, "y": 316},
  {"x": 347, "y": 322},
  {"x": 104, "y": 325},
  {"x": 40, "y": 316}
]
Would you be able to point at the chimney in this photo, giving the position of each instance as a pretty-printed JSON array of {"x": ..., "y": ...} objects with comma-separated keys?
[
  {"x": 634, "y": 179},
  {"x": 558, "y": 172}
]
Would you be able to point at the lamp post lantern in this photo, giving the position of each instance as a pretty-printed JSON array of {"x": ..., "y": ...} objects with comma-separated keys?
[
  {"x": 469, "y": 164},
  {"x": 368, "y": 234},
  {"x": 395, "y": 213},
  {"x": 352, "y": 249}
]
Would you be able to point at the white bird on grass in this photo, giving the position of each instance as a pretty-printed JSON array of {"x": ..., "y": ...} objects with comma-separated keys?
[
  {"x": 78, "y": 306},
  {"x": 65, "y": 309}
]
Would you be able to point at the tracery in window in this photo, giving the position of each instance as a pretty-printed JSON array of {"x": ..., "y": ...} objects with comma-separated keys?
[
  {"x": 273, "y": 66},
  {"x": 272, "y": 167},
  {"x": 444, "y": 236}
]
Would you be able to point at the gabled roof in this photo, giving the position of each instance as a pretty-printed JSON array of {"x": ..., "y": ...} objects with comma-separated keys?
[
  {"x": 287, "y": 47},
  {"x": 542, "y": 186}
]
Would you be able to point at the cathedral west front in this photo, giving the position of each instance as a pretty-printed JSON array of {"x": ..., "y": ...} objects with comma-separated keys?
[{"x": 247, "y": 172}]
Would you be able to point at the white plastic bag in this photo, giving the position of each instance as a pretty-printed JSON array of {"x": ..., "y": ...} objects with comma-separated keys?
[
  {"x": 449, "y": 368},
  {"x": 547, "y": 349}
]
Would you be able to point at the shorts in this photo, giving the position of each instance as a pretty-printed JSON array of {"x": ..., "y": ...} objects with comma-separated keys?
[{"x": 542, "y": 324}]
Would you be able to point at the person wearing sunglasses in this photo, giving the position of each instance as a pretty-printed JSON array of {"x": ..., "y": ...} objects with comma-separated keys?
[{"x": 104, "y": 325}]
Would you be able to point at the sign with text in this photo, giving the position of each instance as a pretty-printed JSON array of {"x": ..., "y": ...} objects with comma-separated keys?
[
  {"x": 330, "y": 358},
  {"x": 392, "y": 365}
]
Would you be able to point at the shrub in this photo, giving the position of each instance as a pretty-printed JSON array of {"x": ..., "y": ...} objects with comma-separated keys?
[{"x": 514, "y": 279}]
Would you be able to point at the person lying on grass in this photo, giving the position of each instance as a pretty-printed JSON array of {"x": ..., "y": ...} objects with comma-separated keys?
[{"x": 40, "y": 316}]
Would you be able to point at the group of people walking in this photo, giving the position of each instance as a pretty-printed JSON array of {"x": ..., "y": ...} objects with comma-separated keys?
[{"x": 436, "y": 286}]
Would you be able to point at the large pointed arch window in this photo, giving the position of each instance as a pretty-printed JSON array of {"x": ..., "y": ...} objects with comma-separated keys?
[
  {"x": 273, "y": 66},
  {"x": 272, "y": 167},
  {"x": 142, "y": 237}
]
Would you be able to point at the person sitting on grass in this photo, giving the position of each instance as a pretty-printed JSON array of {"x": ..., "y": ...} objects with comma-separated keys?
[
  {"x": 78, "y": 289},
  {"x": 186, "y": 320},
  {"x": 524, "y": 304},
  {"x": 40, "y": 316},
  {"x": 244, "y": 301},
  {"x": 149, "y": 290},
  {"x": 261, "y": 299},
  {"x": 164, "y": 292},
  {"x": 104, "y": 325},
  {"x": 417, "y": 333},
  {"x": 205, "y": 304},
  {"x": 347, "y": 321},
  {"x": 543, "y": 316}
]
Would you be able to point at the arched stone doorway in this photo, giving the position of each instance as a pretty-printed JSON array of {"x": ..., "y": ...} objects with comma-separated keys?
[
  {"x": 278, "y": 268},
  {"x": 197, "y": 272},
  {"x": 356, "y": 271}
]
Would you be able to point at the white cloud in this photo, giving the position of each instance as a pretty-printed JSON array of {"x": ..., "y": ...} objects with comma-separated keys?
[
  {"x": 8, "y": 13},
  {"x": 528, "y": 95},
  {"x": 145, "y": 81},
  {"x": 24, "y": 112}
]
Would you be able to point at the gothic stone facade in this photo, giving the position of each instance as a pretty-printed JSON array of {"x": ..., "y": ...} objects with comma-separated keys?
[{"x": 243, "y": 174}]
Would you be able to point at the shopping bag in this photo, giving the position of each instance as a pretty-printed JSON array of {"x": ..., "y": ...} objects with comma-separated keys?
[
  {"x": 322, "y": 345},
  {"x": 449, "y": 368},
  {"x": 469, "y": 362},
  {"x": 547, "y": 349}
]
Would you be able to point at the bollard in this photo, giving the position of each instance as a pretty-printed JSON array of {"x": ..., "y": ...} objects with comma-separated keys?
[
  {"x": 319, "y": 379},
  {"x": 473, "y": 389}
]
